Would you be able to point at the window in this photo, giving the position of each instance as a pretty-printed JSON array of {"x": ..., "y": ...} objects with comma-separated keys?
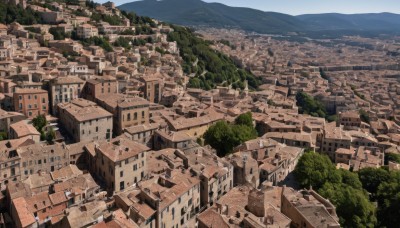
[
  {"x": 121, "y": 174},
  {"x": 30, "y": 113},
  {"x": 20, "y": 97},
  {"x": 129, "y": 116},
  {"x": 97, "y": 129},
  {"x": 135, "y": 116},
  {"x": 30, "y": 106},
  {"x": 44, "y": 100},
  {"x": 29, "y": 97},
  {"x": 121, "y": 185},
  {"x": 134, "y": 167},
  {"x": 142, "y": 114},
  {"x": 173, "y": 213}
]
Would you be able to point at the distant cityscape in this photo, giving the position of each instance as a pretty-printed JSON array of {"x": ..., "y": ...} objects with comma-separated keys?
[{"x": 111, "y": 119}]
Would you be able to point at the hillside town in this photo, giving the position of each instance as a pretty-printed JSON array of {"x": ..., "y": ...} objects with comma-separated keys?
[{"x": 100, "y": 128}]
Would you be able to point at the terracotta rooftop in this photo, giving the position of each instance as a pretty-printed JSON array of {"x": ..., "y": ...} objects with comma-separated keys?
[
  {"x": 121, "y": 148},
  {"x": 22, "y": 129},
  {"x": 83, "y": 110},
  {"x": 25, "y": 217}
]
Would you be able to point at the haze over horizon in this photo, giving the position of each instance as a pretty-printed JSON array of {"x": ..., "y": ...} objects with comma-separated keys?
[{"x": 297, "y": 7}]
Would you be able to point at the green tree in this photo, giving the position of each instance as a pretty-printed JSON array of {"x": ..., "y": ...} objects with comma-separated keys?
[
  {"x": 212, "y": 68},
  {"x": 314, "y": 170},
  {"x": 349, "y": 178},
  {"x": 371, "y": 178},
  {"x": 50, "y": 135},
  {"x": 220, "y": 137},
  {"x": 224, "y": 137},
  {"x": 57, "y": 33},
  {"x": 352, "y": 205},
  {"x": 388, "y": 197},
  {"x": 392, "y": 157},
  {"x": 3, "y": 136},
  {"x": 243, "y": 133},
  {"x": 39, "y": 122},
  {"x": 245, "y": 119},
  {"x": 364, "y": 116}
]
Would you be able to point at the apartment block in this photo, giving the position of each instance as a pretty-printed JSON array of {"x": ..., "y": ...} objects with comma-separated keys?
[
  {"x": 118, "y": 164},
  {"x": 86, "y": 31},
  {"x": 128, "y": 111},
  {"x": 31, "y": 102},
  {"x": 42, "y": 158},
  {"x": 308, "y": 209},
  {"x": 8, "y": 118},
  {"x": 64, "y": 89},
  {"x": 95, "y": 88},
  {"x": 85, "y": 120},
  {"x": 152, "y": 89},
  {"x": 175, "y": 196}
]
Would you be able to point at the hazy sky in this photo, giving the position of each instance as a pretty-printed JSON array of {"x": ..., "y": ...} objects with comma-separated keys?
[{"x": 296, "y": 7}]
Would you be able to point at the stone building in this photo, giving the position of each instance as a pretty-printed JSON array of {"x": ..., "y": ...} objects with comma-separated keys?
[
  {"x": 152, "y": 89},
  {"x": 171, "y": 139},
  {"x": 117, "y": 164},
  {"x": 8, "y": 118},
  {"x": 64, "y": 89},
  {"x": 246, "y": 207},
  {"x": 350, "y": 120},
  {"x": 86, "y": 31},
  {"x": 308, "y": 209},
  {"x": 85, "y": 120},
  {"x": 142, "y": 133},
  {"x": 10, "y": 160},
  {"x": 31, "y": 102},
  {"x": 245, "y": 170},
  {"x": 128, "y": 111},
  {"x": 95, "y": 88},
  {"x": 22, "y": 129},
  {"x": 333, "y": 139},
  {"x": 40, "y": 158},
  {"x": 175, "y": 196}
]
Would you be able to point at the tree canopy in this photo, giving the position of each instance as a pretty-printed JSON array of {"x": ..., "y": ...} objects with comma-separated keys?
[
  {"x": 313, "y": 170},
  {"x": 12, "y": 13},
  {"x": 223, "y": 136},
  {"x": 209, "y": 67},
  {"x": 311, "y": 106},
  {"x": 342, "y": 187},
  {"x": 245, "y": 119},
  {"x": 39, "y": 122}
]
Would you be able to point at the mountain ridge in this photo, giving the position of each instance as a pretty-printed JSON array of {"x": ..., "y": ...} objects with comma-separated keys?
[{"x": 199, "y": 13}]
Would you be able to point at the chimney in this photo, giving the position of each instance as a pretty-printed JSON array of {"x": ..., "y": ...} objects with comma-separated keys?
[{"x": 169, "y": 173}]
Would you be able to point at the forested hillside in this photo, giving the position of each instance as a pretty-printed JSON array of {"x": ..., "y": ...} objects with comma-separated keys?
[{"x": 208, "y": 67}]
